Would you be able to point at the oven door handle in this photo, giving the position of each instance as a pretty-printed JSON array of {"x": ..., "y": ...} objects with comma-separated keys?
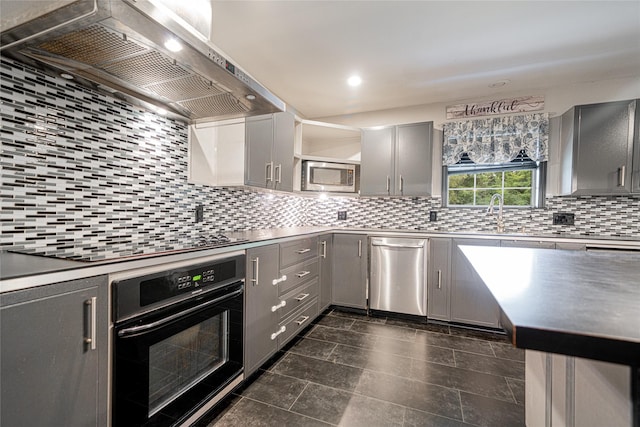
[{"x": 142, "y": 329}]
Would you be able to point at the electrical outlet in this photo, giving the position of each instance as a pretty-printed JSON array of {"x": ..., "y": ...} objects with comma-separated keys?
[
  {"x": 199, "y": 213},
  {"x": 563, "y": 218},
  {"x": 342, "y": 215},
  {"x": 433, "y": 216}
]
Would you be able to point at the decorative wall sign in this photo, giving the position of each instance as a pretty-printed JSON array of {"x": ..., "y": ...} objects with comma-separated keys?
[{"x": 522, "y": 104}]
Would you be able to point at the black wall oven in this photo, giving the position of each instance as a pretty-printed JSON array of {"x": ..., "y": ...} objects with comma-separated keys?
[{"x": 177, "y": 340}]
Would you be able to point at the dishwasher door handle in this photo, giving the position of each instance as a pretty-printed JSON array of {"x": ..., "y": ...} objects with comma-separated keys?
[{"x": 390, "y": 245}]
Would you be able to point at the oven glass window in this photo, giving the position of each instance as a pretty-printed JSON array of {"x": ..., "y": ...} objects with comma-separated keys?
[
  {"x": 328, "y": 176},
  {"x": 182, "y": 360}
]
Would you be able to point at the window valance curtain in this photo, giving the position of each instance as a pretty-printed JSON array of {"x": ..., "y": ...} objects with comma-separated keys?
[{"x": 497, "y": 139}]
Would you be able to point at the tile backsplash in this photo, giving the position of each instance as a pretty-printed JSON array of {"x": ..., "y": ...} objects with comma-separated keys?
[{"x": 89, "y": 176}]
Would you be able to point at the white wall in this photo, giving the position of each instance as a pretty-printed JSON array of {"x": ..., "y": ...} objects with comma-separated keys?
[{"x": 557, "y": 101}]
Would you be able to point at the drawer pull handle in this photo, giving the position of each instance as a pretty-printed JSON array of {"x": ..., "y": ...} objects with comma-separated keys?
[
  {"x": 302, "y": 274},
  {"x": 275, "y": 334},
  {"x": 269, "y": 171},
  {"x": 275, "y": 308},
  {"x": 256, "y": 271},
  {"x": 301, "y": 321},
  {"x": 622, "y": 171},
  {"x": 324, "y": 249},
  {"x": 279, "y": 279},
  {"x": 302, "y": 297},
  {"x": 92, "y": 305},
  {"x": 303, "y": 251}
]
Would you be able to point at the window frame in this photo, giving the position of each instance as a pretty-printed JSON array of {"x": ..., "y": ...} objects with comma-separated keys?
[{"x": 538, "y": 180}]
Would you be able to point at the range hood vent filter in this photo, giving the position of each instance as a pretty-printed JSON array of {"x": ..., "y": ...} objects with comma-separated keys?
[
  {"x": 120, "y": 50},
  {"x": 92, "y": 46}
]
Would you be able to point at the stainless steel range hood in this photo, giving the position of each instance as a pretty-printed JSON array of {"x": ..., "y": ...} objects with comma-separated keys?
[{"x": 118, "y": 47}]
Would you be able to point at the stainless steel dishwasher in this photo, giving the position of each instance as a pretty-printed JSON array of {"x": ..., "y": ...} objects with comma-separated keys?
[{"x": 398, "y": 281}]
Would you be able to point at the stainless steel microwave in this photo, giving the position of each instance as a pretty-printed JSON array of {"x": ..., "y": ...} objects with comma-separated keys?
[{"x": 327, "y": 176}]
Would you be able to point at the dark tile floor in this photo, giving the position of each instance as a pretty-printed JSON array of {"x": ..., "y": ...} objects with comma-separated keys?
[{"x": 353, "y": 370}]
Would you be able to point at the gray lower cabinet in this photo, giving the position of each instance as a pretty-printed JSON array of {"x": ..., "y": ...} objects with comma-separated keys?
[
  {"x": 281, "y": 297},
  {"x": 439, "y": 280},
  {"x": 350, "y": 270},
  {"x": 597, "y": 144},
  {"x": 471, "y": 300},
  {"x": 269, "y": 146},
  {"x": 325, "y": 250},
  {"x": 396, "y": 161},
  {"x": 51, "y": 375},
  {"x": 261, "y": 322},
  {"x": 571, "y": 391}
]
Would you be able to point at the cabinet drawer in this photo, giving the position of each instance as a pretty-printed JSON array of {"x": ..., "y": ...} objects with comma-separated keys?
[
  {"x": 527, "y": 244},
  {"x": 297, "y": 322},
  {"x": 297, "y": 274},
  {"x": 297, "y": 297},
  {"x": 298, "y": 250}
]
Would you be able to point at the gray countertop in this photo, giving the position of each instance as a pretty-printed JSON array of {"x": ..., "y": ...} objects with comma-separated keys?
[
  {"x": 578, "y": 303},
  {"x": 18, "y": 271}
]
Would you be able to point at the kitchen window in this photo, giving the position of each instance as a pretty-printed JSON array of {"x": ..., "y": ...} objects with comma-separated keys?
[
  {"x": 495, "y": 155},
  {"x": 519, "y": 182}
]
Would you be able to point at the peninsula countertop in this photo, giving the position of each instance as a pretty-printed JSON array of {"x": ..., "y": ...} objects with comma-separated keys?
[{"x": 577, "y": 303}]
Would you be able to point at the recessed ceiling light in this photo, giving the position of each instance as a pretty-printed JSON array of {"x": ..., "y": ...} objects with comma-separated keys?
[
  {"x": 66, "y": 76},
  {"x": 250, "y": 97},
  {"x": 354, "y": 80},
  {"x": 173, "y": 45},
  {"x": 500, "y": 83}
]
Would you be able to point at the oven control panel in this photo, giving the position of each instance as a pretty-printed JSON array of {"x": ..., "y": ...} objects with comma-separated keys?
[
  {"x": 189, "y": 281},
  {"x": 141, "y": 293}
]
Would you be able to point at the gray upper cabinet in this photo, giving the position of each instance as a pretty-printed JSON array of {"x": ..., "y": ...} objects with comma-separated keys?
[
  {"x": 471, "y": 301},
  {"x": 438, "y": 284},
  {"x": 597, "y": 143},
  {"x": 635, "y": 177},
  {"x": 413, "y": 159},
  {"x": 269, "y": 146},
  {"x": 376, "y": 162},
  {"x": 350, "y": 270},
  {"x": 261, "y": 322},
  {"x": 396, "y": 161},
  {"x": 51, "y": 374}
]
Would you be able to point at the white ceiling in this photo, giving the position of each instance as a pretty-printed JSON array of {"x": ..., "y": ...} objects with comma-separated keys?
[{"x": 422, "y": 52}]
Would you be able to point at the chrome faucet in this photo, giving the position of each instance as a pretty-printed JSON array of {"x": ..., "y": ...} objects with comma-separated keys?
[{"x": 500, "y": 222}]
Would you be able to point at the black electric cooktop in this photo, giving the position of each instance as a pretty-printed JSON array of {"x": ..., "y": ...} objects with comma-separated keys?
[{"x": 122, "y": 248}]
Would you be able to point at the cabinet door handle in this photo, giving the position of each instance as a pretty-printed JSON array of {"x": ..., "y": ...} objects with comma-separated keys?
[
  {"x": 324, "y": 249},
  {"x": 388, "y": 184},
  {"x": 275, "y": 334},
  {"x": 401, "y": 184},
  {"x": 302, "y": 274},
  {"x": 360, "y": 248},
  {"x": 302, "y": 251},
  {"x": 302, "y": 320},
  {"x": 439, "y": 279},
  {"x": 256, "y": 270},
  {"x": 275, "y": 308},
  {"x": 278, "y": 174},
  {"x": 91, "y": 329},
  {"x": 622, "y": 171},
  {"x": 302, "y": 297},
  {"x": 269, "y": 171}
]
